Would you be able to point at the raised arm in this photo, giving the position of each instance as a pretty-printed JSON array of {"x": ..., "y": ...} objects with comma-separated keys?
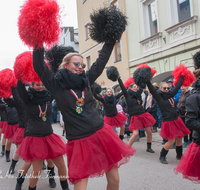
[
  {"x": 43, "y": 71},
  {"x": 119, "y": 95},
  {"x": 21, "y": 89},
  {"x": 99, "y": 65},
  {"x": 124, "y": 90},
  {"x": 178, "y": 86},
  {"x": 192, "y": 113},
  {"x": 98, "y": 97},
  {"x": 153, "y": 91}
]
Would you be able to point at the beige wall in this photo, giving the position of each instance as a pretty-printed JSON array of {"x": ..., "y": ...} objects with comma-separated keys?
[{"x": 91, "y": 48}]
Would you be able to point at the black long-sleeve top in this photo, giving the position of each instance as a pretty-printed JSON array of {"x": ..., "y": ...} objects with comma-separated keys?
[
  {"x": 169, "y": 112},
  {"x": 88, "y": 121},
  {"x": 134, "y": 104},
  {"x": 35, "y": 126},
  {"x": 3, "y": 111},
  {"x": 192, "y": 119},
  {"x": 110, "y": 109}
]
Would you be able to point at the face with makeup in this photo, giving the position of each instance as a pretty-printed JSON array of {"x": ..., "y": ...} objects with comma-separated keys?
[
  {"x": 38, "y": 86},
  {"x": 109, "y": 92},
  {"x": 134, "y": 87}
]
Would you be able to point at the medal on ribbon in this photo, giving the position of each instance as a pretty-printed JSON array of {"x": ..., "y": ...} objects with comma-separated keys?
[
  {"x": 171, "y": 101},
  {"x": 79, "y": 101},
  {"x": 43, "y": 114}
]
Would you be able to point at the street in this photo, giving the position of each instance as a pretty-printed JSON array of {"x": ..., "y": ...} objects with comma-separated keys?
[{"x": 144, "y": 171}]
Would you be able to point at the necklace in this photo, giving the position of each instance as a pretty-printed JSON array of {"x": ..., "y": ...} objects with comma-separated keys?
[
  {"x": 79, "y": 101},
  {"x": 171, "y": 101},
  {"x": 43, "y": 114}
]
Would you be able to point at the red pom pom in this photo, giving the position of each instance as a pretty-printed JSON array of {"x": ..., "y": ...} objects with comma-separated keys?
[
  {"x": 128, "y": 82},
  {"x": 38, "y": 23},
  {"x": 23, "y": 68},
  {"x": 183, "y": 70},
  {"x": 146, "y": 65},
  {"x": 7, "y": 79}
]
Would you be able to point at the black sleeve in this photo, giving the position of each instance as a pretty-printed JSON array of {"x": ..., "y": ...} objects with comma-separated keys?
[
  {"x": 21, "y": 89},
  {"x": 10, "y": 102},
  {"x": 99, "y": 65},
  {"x": 43, "y": 71},
  {"x": 153, "y": 91},
  {"x": 119, "y": 95},
  {"x": 124, "y": 90},
  {"x": 178, "y": 86},
  {"x": 98, "y": 97},
  {"x": 192, "y": 113},
  {"x": 3, "y": 107}
]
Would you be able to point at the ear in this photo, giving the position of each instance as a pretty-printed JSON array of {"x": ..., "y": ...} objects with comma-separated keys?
[{"x": 65, "y": 65}]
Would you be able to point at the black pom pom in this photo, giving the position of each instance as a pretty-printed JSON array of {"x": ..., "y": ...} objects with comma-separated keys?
[
  {"x": 96, "y": 88},
  {"x": 56, "y": 54},
  {"x": 112, "y": 73},
  {"x": 141, "y": 76},
  {"x": 107, "y": 25},
  {"x": 196, "y": 58}
]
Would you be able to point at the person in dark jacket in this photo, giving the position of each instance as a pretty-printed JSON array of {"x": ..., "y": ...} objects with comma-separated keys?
[
  {"x": 112, "y": 117},
  {"x": 172, "y": 126},
  {"x": 181, "y": 108},
  {"x": 189, "y": 165},
  {"x": 150, "y": 106},
  {"x": 40, "y": 142},
  {"x": 84, "y": 127},
  {"x": 139, "y": 118}
]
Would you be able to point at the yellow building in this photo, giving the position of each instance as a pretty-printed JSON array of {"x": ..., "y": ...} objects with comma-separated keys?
[{"x": 90, "y": 49}]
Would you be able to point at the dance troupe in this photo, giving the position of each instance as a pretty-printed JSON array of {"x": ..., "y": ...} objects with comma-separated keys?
[{"x": 93, "y": 148}]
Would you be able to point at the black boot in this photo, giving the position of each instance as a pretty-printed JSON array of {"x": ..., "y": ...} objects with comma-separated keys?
[
  {"x": 179, "y": 152},
  {"x": 163, "y": 154},
  {"x": 44, "y": 166},
  {"x": 12, "y": 167},
  {"x": 51, "y": 175},
  {"x": 149, "y": 148},
  {"x": 32, "y": 188},
  {"x": 7, "y": 155},
  {"x": 20, "y": 181},
  {"x": 63, "y": 133},
  {"x": 121, "y": 137},
  {"x": 64, "y": 185},
  {"x": 142, "y": 134},
  {"x": 3, "y": 150}
]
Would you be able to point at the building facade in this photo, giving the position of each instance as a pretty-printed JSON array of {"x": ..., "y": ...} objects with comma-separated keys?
[
  {"x": 163, "y": 33},
  {"x": 90, "y": 49}
]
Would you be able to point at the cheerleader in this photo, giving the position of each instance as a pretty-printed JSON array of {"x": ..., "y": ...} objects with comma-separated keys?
[
  {"x": 40, "y": 142},
  {"x": 189, "y": 165},
  {"x": 139, "y": 118},
  {"x": 173, "y": 127},
  {"x": 112, "y": 116}
]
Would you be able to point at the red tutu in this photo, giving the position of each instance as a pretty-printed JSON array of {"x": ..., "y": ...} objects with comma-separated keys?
[
  {"x": 189, "y": 165},
  {"x": 116, "y": 121},
  {"x": 2, "y": 123},
  {"x": 18, "y": 136},
  {"x": 42, "y": 148},
  {"x": 141, "y": 121},
  {"x": 96, "y": 154},
  {"x": 10, "y": 130},
  {"x": 174, "y": 129}
]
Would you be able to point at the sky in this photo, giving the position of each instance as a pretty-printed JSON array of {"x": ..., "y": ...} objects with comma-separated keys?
[{"x": 10, "y": 43}]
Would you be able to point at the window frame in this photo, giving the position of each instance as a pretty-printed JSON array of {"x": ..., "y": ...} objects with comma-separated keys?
[
  {"x": 114, "y": 3},
  {"x": 115, "y": 52},
  {"x": 86, "y": 31},
  {"x": 87, "y": 65}
]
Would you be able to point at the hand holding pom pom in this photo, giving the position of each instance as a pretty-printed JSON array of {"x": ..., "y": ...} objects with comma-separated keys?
[
  {"x": 112, "y": 73},
  {"x": 107, "y": 25},
  {"x": 182, "y": 70},
  {"x": 38, "y": 23},
  {"x": 7, "y": 80},
  {"x": 96, "y": 88},
  {"x": 23, "y": 68}
]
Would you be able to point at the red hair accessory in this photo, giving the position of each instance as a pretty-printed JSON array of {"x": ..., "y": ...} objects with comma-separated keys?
[
  {"x": 7, "y": 80},
  {"x": 38, "y": 23},
  {"x": 183, "y": 70},
  {"x": 128, "y": 82},
  {"x": 153, "y": 71},
  {"x": 23, "y": 68}
]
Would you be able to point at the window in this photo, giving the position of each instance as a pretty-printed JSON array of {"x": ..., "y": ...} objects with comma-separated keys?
[
  {"x": 117, "y": 51},
  {"x": 153, "y": 18},
  {"x": 88, "y": 60},
  {"x": 117, "y": 89},
  {"x": 84, "y": 1},
  {"x": 183, "y": 7},
  {"x": 98, "y": 52},
  {"x": 114, "y": 3},
  {"x": 87, "y": 32}
]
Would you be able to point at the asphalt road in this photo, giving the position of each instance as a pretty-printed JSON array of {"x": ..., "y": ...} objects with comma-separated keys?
[{"x": 143, "y": 172}]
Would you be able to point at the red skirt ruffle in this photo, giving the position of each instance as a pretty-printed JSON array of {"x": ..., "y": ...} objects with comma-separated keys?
[
  {"x": 141, "y": 121},
  {"x": 96, "y": 154},
  {"x": 10, "y": 130},
  {"x": 174, "y": 129},
  {"x": 2, "y": 123},
  {"x": 116, "y": 121},
  {"x": 189, "y": 165},
  {"x": 42, "y": 148},
  {"x": 18, "y": 136}
]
